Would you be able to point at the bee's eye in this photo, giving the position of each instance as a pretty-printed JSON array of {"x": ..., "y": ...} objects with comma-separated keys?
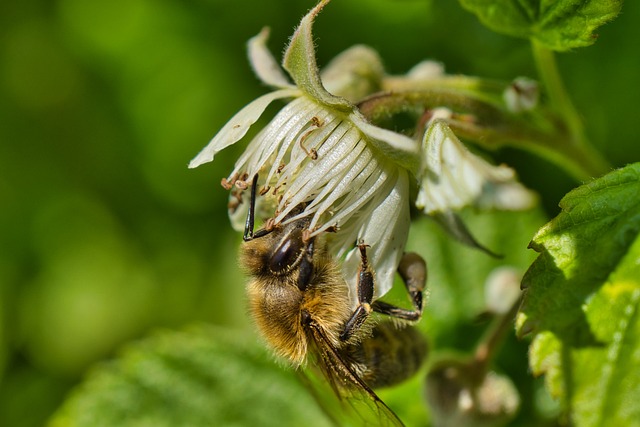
[{"x": 286, "y": 255}]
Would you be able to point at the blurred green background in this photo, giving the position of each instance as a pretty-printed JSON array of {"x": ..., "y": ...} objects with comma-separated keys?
[{"x": 104, "y": 232}]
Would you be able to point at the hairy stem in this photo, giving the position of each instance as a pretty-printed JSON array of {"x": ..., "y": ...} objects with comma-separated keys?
[
  {"x": 492, "y": 340},
  {"x": 588, "y": 158},
  {"x": 542, "y": 131}
]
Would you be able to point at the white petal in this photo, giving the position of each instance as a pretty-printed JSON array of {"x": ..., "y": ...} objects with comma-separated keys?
[
  {"x": 238, "y": 126},
  {"x": 312, "y": 175},
  {"x": 397, "y": 147},
  {"x": 264, "y": 64},
  {"x": 454, "y": 177},
  {"x": 386, "y": 231},
  {"x": 521, "y": 95},
  {"x": 277, "y": 136},
  {"x": 366, "y": 186},
  {"x": 323, "y": 139},
  {"x": 426, "y": 70},
  {"x": 238, "y": 216},
  {"x": 316, "y": 124},
  {"x": 344, "y": 180},
  {"x": 353, "y": 74}
]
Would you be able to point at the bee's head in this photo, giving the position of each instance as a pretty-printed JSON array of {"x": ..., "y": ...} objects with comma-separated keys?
[{"x": 278, "y": 252}]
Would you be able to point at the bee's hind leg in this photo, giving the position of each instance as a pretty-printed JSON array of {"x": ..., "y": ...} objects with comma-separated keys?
[{"x": 413, "y": 271}]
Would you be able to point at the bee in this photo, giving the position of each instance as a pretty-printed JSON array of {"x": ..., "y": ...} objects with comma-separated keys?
[{"x": 301, "y": 305}]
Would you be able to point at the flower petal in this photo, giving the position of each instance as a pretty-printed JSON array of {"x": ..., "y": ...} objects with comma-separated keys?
[
  {"x": 386, "y": 230},
  {"x": 454, "y": 177},
  {"x": 279, "y": 135},
  {"x": 238, "y": 126},
  {"x": 264, "y": 64},
  {"x": 522, "y": 95},
  {"x": 354, "y": 74},
  {"x": 300, "y": 62},
  {"x": 313, "y": 176},
  {"x": 426, "y": 70},
  {"x": 401, "y": 149}
]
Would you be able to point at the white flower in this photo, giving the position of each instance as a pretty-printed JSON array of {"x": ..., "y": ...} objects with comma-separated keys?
[
  {"x": 454, "y": 177},
  {"x": 320, "y": 150},
  {"x": 353, "y": 176}
]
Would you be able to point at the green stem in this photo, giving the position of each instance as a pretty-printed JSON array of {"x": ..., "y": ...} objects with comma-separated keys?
[
  {"x": 590, "y": 160},
  {"x": 554, "y": 132},
  {"x": 493, "y": 339},
  {"x": 489, "y": 90}
]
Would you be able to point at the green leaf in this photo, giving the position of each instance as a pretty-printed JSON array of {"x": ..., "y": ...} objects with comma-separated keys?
[
  {"x": 581, "y": 301},
  {"x": 560, "y": 25},
  {"x": 203, "y": 376}
]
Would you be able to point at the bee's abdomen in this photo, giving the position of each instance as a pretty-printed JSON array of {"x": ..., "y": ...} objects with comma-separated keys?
[{"x": 391, "y": 355}]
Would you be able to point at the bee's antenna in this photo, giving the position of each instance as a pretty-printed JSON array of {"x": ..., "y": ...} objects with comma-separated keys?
[{"x": 248, "y": 225}]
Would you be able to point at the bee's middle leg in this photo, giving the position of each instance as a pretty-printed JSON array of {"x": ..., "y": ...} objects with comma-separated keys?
[{"x": 365, "y": 297}]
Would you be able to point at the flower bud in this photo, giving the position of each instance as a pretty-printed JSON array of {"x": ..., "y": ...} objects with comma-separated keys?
[
  {"x": 458, "y": 395},
  {"x": 521, "y": 95},
  {"x": 502, "y": 289}
]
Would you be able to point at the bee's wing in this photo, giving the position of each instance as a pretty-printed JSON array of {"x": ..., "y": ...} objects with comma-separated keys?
[
  {"x": 324, "y": 397},
  {"x": 352, "y": 402}
]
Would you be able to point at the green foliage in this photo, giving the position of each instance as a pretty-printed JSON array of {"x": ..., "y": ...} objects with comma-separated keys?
[
  {"x": 105, "y": 234},
  {"x": 559, "y": 25},
  {"x": 457, "y": 273},
  {"x": 582, "y": 298},
  {"x": 201, "y": 376}
]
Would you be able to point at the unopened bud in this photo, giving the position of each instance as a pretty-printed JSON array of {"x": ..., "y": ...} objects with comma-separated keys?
[
  {"x": 460, "y": 396},
  {"x": 502, "y": 289},
  {"x": 522, "y": 95}
]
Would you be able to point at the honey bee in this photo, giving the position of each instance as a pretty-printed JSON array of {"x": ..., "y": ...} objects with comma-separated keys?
[{"x": 300, "y": 303}]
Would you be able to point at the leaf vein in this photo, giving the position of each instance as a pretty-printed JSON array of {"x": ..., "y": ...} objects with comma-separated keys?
[{"x": 613, "y": 355}]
